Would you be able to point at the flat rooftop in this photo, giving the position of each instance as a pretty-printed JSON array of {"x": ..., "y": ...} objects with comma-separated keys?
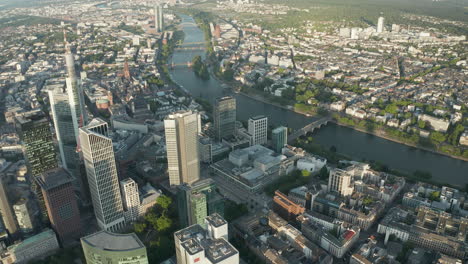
[
  {"x": 54, "y": 178},
  {"x": 216, "y": 220},
  {"x": 113, "y": 242}
]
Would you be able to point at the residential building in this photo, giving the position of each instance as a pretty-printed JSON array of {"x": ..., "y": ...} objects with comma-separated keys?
[
  {"x": 99, "y": 159},
  {"x": 339, "y": 181},
  {"x": 131, "y": 199},
  {"x": 196, "y": 244},
  {"x": 258, "y": 129},
  {"x": 279, "y": 138},
  {"x": 24, "y": 215},
  {"x": 61, "y": 204},
  {"x": 285, "y": 207},
  {"x": 182, "y": 131},
  {"x": 111, "y": 248},
  {"x": 224, "y": 115}
]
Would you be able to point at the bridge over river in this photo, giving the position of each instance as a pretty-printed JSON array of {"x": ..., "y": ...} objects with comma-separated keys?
[{"x": 309, "y": 128}]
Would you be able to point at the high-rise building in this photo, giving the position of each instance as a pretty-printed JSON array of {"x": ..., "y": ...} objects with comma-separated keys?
[
  {"x": 61, "y": 204},
  {"x": 380, "y": 25},
  {"x": 198, "y": 200},
  {"x": 110, "y": 248},
  {"x": 340, "y": 181},
  {"x": 224, "y": 116},
  {"x": 24, "y": 215},
  {"x": 158, "y": 18},
  {"x": 69, "y": 113},
  {"x": 279, "y": 137},
  {"x": 258, "y": 129},
  {"x": 6, "y": 209},
  {"x": 131, "y": 199},
  {"x": 34, "y": 131},
  {"x": 196, "y": 244},
  {"x": 33, "y": 248},
  {"x": 99, "y": 159},
  {"x": 182, "y": 131}
]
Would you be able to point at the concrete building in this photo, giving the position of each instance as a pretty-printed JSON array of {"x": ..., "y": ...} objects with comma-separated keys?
[
  {"x": 37, "y": 246},
  {"x": 6, "y": 210},
  {"x": 158, "y": 18},
  {"x": 340, "y": 182},
  {"x": 182, "y": 130},
  {"x": 381, "y": 25},
  {"x": 258, "y": 128},
  {"x": 110, "y": 248},
  {"x": 285, "y": 207},
  {"x": 98, "y": 154},
  {"x": 279, "y": 138},
  {"x": 131, "y": 199},
  {"x": 195, "y": 244},
  {"x": 24, "y": 215},
  {"x": 61, "y": 204},
  {"x": 224, "y": 116}
]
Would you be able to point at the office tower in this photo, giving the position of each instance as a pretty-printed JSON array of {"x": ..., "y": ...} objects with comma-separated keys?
[
  {"x": 61, "y": 204},
  {"x": 24, "y": 215},
  {"x": 6, "y": 209},
  {"x": 258, "y": 129},
  {"x": 380, "y": 25},
  {"x": 34, "y": 131},
  {"x": 33, "y": 248},
  {"x": 182, "y": 130},
  {"x": 158, "y": 18},
  {"x": 224, "y": 115},
  {"x": 131, "y": 199},
  {"x": 340, "y": 182},
  {"x": 69, "y": 113},
  {"x": 196, "y": 244},
  {"x": 99, "y": 159},
  {"x": 279, "y": 137},
  {"x": 198, "y": 200},
  {"x": 110, "y": 248}
]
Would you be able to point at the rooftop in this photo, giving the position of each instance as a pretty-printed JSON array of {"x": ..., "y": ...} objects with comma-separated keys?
[
  {"x": 108, "y": 241},
  {"x": 216, "y": 220},
  {"x": 54, "y": 178}
]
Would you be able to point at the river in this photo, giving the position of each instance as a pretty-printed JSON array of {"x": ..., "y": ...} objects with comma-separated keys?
[{"x": 347, "y": 141}]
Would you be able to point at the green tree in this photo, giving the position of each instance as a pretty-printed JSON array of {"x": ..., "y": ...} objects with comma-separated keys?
[
  {"x": 437, "y": 137},
  {"x": 422, "y": 124},
  {"x": 164, "y": 201},
  {"x": 434, "y": 196},
  {"x": 139, "y": 227},
  {"x": 305, "y": 173},
  {"x": 323, "y": 173},
  {"x": 163, "y": 223}
]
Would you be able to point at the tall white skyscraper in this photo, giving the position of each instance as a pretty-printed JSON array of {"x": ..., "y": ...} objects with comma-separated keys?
[
  {"x": 131, "y": 199},
  {"x": 182, "y": 131},
  {"x": 158, "y": 18},
  {"x": 99, "y": 159},
  {"x": 380, "y": 25},
  {"x": 69, "y": 113},
  {"x": 340, "y": 182},
  {"x": 258, "y": 128}
]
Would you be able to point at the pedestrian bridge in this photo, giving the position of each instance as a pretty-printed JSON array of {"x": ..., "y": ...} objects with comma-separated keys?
[{"x": 317, "y": 124}]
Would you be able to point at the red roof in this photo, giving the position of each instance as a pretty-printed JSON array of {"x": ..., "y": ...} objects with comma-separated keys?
[{"x": 348, "y": 234}]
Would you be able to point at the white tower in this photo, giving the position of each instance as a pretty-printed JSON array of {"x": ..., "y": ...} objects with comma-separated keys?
[
  {"x": 131, "y": 199},
  {"x": 98, "y": 155},
  {"x": 258, "y": 128},
  {"x": 380, "y": 25},
  {"x": 340, "y": 182}
]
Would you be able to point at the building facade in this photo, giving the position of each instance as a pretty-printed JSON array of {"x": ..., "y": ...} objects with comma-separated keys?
[
  {"x": 340, "y": 182},
  {"x": 131, "y": 199},
  {"x": 6, "y": 209},
  {"x": 279, "y": 138},
  {"x": 182, "y": 131},
  {"x": 98, "y": 155},
  {"x": 61, "y": 204},
  {"x": 258, "y": 129},
  {"x": 224, "y": 117},
  {"x": 110, "y": 248},
  {"x": 24, "y": 215},
  {"x": 37, "y": 246}
]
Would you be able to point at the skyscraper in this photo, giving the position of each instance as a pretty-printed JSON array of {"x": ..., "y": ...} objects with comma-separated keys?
[
  {"x": 6, "y": 209},
  {"x": 258, "y": 129},
  {"x": 98, "y": 155},
  {"x": 279, "y": 137},
  {"x": 131, "y": 199},
  {"x": 340, "y": 182},
  {"x": 380, "y": 25},
  {"x": 158, "y": 18},
  {"x": 224, "y": 117},
  {"x": 34, "y": 131},
  {"x": 198, "y": 200},
  {"x": 110, "y": 248},
  {"x": 24, "y": 215},
  {"x": 182, "y": 130},
  {"x": 68, "y": 112},
  {"x": 61, "y": 204}
]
